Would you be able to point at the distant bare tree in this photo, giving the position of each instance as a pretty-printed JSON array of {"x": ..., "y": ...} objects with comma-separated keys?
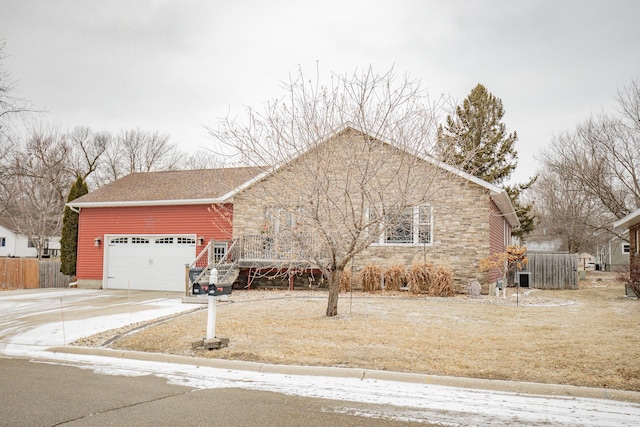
[
  {"x": 564, "y": 209},
  {"x": 37, "y": 178},
  {"x": 88, "y": 150},
  {"x": 136, "y": 150},
  {"x": 201, "y": 159},
  {"x": 602, "y": 156},
  {"x": 339, "y": 192}
]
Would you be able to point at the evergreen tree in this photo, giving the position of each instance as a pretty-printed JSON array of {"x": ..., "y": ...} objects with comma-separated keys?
[
  {"x": 69, "y": 239},
  {"x": 477, "y": 141}
]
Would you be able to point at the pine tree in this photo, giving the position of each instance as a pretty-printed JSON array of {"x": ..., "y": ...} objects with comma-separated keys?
[
  {"x": 69, "y": 239},
  {"x": 477, "y": 141}
]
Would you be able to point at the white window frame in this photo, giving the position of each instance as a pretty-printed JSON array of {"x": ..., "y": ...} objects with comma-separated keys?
[
  {"x": 625, "y": 248},
  {"x": 416, "y": 226}
]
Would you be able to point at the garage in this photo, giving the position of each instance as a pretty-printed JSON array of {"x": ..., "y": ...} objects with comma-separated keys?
[{"x": 147, "y": 262}]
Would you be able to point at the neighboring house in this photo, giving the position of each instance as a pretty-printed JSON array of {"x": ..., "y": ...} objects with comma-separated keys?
[
  {"x": 14, "y": 244},
  {"x": 614, "y": 255},
  {"x": 586, "y": 261},
  {"x": 631, "y": 224},
  {"x": 125, "y": 227}
]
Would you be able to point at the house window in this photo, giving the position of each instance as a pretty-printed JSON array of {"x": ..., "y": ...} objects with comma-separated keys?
[
  {"x": 278, "y": 219},
  {"x": 186, "y": 241},
  {"x": 3, "y": 242},
  {"x": 626, "y": 248},
  {"x": 164, "y": 240},
  {"x": 412, "y": 227},
  {"x": 219, "y": 251},
  {"x": 139, "y": 240},
  {"x": 30, "y": 244},
  {"x": 119, "y": 240}
]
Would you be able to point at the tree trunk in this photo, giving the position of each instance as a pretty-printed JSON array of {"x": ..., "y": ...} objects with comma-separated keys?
[{"x": 334, "y": 290}]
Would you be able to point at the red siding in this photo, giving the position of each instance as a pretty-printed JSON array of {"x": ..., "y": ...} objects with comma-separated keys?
[
  {"x": 497, "y": 227},
  {"x": 189, "y": 219}
]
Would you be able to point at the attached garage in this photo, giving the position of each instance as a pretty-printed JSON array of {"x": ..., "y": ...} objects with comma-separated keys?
[
  {"x": 147, "y": 262},
  {"x": 139, "y": 231}
]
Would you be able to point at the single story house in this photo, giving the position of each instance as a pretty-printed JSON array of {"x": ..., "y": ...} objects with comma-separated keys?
[
  {"x": 15, "y": 244},
  {"x": 140, "y": 231},
  {"x": 614, "y": 255}
]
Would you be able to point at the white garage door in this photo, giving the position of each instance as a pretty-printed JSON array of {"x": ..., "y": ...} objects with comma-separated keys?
[{"x": 148, "y": 262}]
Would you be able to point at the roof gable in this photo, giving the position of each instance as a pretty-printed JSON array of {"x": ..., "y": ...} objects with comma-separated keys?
[{"x": 497, "y": 194}]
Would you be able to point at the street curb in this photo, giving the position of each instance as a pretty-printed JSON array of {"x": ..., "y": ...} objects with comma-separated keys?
[{"x": 469, "y": 383}]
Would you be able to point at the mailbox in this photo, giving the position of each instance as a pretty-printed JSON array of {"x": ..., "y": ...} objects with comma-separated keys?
[
  {"x": 199, "y": 289},
  {"x": 216, "y": 290}
]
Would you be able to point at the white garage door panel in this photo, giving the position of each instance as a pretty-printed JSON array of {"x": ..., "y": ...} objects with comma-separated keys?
[{"x": 148, "y": 266}]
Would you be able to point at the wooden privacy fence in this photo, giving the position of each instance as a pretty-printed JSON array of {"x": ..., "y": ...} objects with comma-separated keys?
[
  {"x": 50, "y": 276},
  {"x": 19, "y": 273},
  {"x": 30, "y": 273},
  {"x": 553, "y": 271}
]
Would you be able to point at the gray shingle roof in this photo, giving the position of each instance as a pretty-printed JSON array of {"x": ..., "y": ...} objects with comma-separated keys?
[{"x": 149, "y": 187}]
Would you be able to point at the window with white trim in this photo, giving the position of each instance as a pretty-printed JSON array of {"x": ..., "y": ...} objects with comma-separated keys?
[
  {"x": 186, "y": 241},
  {"x": 164, "y": 240},
  {"x": 413, "y": 226},
  {"x": 3, "y": 242},
  {"x": 119, "y": 240},
  {"x": 626, "y": 248},
  {"x": 139, "y": 240}
]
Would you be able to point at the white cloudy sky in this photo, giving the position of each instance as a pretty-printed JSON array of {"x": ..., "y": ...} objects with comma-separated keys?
[{"x": 174, "y": 66}]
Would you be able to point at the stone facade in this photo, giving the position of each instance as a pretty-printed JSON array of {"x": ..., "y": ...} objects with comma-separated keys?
[{"x": 461, "y": 209}]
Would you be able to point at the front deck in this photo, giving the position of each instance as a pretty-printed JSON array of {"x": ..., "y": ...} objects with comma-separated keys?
[{"x": 255, "y": 257}]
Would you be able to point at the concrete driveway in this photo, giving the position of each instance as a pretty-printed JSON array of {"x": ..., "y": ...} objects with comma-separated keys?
[{"x": 40, "y": 318}]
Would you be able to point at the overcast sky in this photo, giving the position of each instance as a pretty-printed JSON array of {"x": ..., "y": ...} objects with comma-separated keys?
[{"x": 176, "y": 66}]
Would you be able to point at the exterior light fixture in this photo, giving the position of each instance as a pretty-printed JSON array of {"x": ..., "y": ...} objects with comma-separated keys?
[{"x": 97, "y": 241}]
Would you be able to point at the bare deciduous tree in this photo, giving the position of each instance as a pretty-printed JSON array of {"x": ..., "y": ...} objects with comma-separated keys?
[
  {"x": 602, "y": 156},
  {"x": 35, "y": 186},
  {"x": 564, "y": 209},
  {"x": 333, "y": 189},
  {"x": 136, "y": 150}
]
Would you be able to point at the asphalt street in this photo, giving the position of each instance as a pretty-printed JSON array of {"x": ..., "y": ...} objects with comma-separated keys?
[{"x": 44, "y": 394}]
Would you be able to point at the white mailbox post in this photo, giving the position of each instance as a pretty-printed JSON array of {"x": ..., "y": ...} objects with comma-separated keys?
[{"x": 211, "y": 317}]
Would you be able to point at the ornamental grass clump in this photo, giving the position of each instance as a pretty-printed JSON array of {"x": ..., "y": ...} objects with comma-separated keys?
[
  {"x": 371, "y": 278},
  {"x": 427, "y": 279},
  {"x": 420, "y": 275},
  {"x": 345, "y": 281},
  {"x": 395, "y": 277},
  {"x": 442, "y": 285}
]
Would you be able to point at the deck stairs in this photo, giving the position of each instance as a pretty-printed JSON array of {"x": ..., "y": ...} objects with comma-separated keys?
[{"x": 226, "y": 266}]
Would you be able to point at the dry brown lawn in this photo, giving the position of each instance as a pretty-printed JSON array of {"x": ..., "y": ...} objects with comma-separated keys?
[{"x": 586, "y": 337}]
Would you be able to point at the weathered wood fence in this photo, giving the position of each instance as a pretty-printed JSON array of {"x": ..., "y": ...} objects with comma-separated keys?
[
  {"x": 553, "y": 271},
  {"x": 30, "y": 273},
  {"x": 50, "y": 276}
]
